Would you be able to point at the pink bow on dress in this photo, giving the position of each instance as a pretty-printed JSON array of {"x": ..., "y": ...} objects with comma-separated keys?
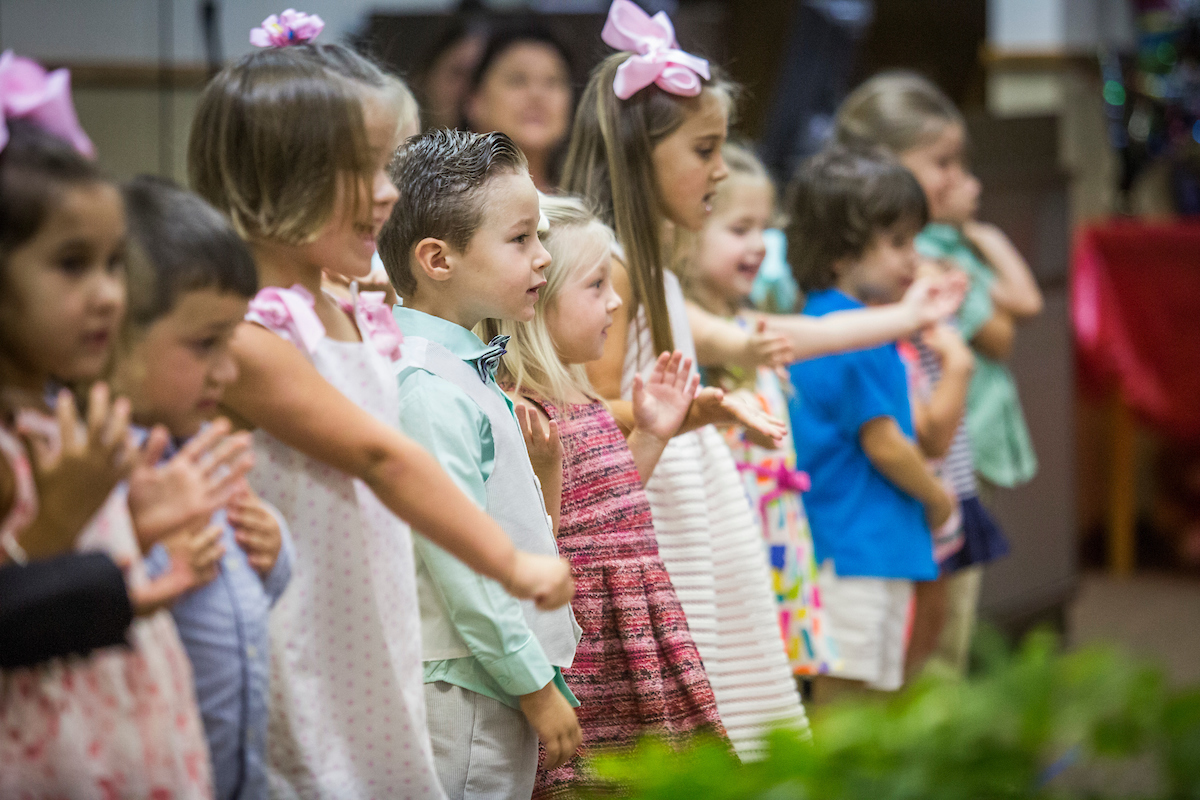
[
  {"x": 787, "y": 479},
  {"x": 656, "y": 55},
  {"x": 28, "y": 92},
  {"x": 290, "y": 313},
  {"x": 290, "y": 27}
]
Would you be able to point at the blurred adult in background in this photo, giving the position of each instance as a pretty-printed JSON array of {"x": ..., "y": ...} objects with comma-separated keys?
[
  {"x": 443, "y": 83},
  {"x": 522, "y": 87}
]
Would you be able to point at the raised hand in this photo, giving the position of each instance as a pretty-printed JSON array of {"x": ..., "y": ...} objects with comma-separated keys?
[
  {"x": 932, "y": 299},
  {"x": 544, "y": 579},
  {"x": 256, "y": 530},
  {"x": 542, "y": 441},
  {"x": 185, "y": 491},
  {"x": 948, "y": 343},
  {"x": 76, "y": 468},
  {"x": 713, "y": 406},
  {"x": 661, "y": 402}
]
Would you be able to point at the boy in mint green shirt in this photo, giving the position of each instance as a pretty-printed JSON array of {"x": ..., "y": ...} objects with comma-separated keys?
[{"x": 462, "y": 246}]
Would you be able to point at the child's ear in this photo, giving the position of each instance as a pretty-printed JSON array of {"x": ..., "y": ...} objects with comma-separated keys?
[{"x": 434, "y": 258}]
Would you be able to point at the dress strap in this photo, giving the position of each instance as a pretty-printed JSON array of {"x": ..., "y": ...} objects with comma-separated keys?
[{"x": 289, "y": 313}]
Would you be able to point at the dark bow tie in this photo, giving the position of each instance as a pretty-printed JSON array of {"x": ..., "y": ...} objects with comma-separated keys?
[{"x": 488, "y": 360}]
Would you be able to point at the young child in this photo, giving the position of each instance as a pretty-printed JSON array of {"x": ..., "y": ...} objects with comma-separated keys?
[
  {"x": 910, "y": 117},
  {"x": 191, "y": 277},
  {"x": 873, "y": 500},
  {"x": 720, "y": 274},
  {"x": 462, "y": 246},
  {"x": 121, "y": 721},
  {"x": 646, "y": 151},
  {"x": 294, "y": 152},
  {"x": 636, "y": 670}
]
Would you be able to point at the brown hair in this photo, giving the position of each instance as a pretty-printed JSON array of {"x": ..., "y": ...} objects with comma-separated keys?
[
  {"x": 441, "y": 176},
  {"x": 897, "y": 110},
  {"x": 609, "y": 163},
  {"x": 277, "y": 134},
  {"x": 839, "y": 200}
]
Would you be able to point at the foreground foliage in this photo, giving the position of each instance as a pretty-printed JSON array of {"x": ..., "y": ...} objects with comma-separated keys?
[{"x": 1013, "y": 732}]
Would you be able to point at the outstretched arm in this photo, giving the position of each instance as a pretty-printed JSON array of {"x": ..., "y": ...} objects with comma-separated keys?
[
  {"x": 927, "y": 301},
  {"x": 279, "y": 391}
]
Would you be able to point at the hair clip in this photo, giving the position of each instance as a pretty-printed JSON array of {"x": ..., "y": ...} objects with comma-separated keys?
[
  {"x": 28, "y": 92},
  {"x": 290, "y": 27},
  {"x": 656, "y": 55}
]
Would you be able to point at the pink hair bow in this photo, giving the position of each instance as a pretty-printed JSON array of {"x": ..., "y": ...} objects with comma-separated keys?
[
  {"x": 28, "y": 92},
  {"x": 290, "y": 27},
  {"x": 656, "y": 55}
]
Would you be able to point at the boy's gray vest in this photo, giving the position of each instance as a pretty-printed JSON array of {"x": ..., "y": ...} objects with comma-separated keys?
[{"x": 514, "y": 500}]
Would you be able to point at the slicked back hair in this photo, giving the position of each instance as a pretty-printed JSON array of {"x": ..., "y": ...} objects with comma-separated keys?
[
  {"x": 838, "y": 201},
  {"x": 442, "y": 177}
]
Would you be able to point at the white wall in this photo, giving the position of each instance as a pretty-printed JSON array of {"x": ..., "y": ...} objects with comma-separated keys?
[
  {"x": 1058, "y": 25},
  {"x": 127, "y": 31}
]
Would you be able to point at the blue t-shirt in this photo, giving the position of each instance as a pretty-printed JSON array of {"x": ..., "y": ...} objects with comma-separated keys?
[{"x": 859, "y": 518}]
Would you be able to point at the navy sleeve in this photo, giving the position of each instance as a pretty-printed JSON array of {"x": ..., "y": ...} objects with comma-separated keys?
[{"x": 69, "y": 605}]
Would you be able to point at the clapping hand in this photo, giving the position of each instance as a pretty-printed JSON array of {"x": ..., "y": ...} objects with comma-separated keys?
[
  {"x": 257, "y": 530},
  {"x": 661, "y": 402},
  {"x": 76, "y": 474},
  {"x": 187, "y": 490},
  {"x": 714, "y": 406}
]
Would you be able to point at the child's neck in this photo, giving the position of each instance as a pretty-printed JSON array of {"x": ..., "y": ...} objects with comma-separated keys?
[
  {"x": 445, "y": 306},
  {"x": 848, "y": 287},
  {"x": 284, "y": 265},
  {"x": 713, "y": 301}
]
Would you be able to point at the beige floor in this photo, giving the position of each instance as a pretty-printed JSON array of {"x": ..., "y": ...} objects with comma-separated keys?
[{"x": 1155, "y": 615}]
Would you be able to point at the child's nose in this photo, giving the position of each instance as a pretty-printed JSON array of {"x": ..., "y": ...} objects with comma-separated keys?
[
  {"x": 541, "y": 259},
  {"x": 224, "y": 371},
  {"x": 385, "y": 192},
  {"x": 109, "y": 292}
]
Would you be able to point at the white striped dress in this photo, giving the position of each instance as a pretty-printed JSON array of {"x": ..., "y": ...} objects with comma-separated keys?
[{"x": 713, "y": 550}]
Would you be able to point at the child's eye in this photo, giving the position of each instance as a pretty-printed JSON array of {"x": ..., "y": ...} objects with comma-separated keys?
[
  {"x": 521, "y": 238},
  {"x": 706, "y": 152},
  {"x": 73, "y": 265}
]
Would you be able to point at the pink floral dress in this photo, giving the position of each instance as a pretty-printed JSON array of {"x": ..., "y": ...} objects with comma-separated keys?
[
  {"x": 347, "y": 716},
  {"x": 119, "y": 723}
]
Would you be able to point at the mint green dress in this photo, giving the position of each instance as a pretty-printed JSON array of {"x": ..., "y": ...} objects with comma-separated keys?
[{"x": 1000, "y": 441}]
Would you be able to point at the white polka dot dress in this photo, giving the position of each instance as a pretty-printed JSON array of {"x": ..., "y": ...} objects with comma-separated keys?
[
  {"x": 713, "y": 550},
  {"x": 347, "y": 701}
]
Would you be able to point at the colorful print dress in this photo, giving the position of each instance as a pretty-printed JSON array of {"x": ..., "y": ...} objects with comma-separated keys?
[
  {"x": 774, "y": 487},
  {"x": 636, "y": 670}
]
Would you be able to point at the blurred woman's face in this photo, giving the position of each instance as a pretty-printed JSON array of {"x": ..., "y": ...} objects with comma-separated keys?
[{"x": 526, "y": 93}]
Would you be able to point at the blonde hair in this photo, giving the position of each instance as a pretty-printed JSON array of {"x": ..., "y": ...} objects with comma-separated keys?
[
  {"x": 577, "y": 241},
  {"x": 277, "y": 134},
  {"x": 609, "y": 163},
  {"x": 897, "y": 110}
]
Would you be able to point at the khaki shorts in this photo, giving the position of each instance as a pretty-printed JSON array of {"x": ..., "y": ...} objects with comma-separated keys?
[{"x": 869, "y": 620}]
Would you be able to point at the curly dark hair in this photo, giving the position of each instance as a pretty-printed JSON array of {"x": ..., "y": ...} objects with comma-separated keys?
[{"x": 839, "y": 199}]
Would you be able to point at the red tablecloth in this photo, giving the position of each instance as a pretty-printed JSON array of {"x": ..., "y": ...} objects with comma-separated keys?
[{"x": 1135, "y": 307}]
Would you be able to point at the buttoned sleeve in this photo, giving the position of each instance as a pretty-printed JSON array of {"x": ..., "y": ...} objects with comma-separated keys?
[{"x": 442, "y": 419}]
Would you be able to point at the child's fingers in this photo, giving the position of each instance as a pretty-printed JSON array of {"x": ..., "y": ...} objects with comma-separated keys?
[
  {"x": 693, "y": 386},
  {"x": 639, "y": 390},
  {"x": 523, "y": 422},
  {"x": 97, "y": 412},
  {"x": 204, "y": 441},
  {"x": 225, "y": 453},
  {"x": 552, "y": 433},
  {"x": 155, "y": 445}
]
